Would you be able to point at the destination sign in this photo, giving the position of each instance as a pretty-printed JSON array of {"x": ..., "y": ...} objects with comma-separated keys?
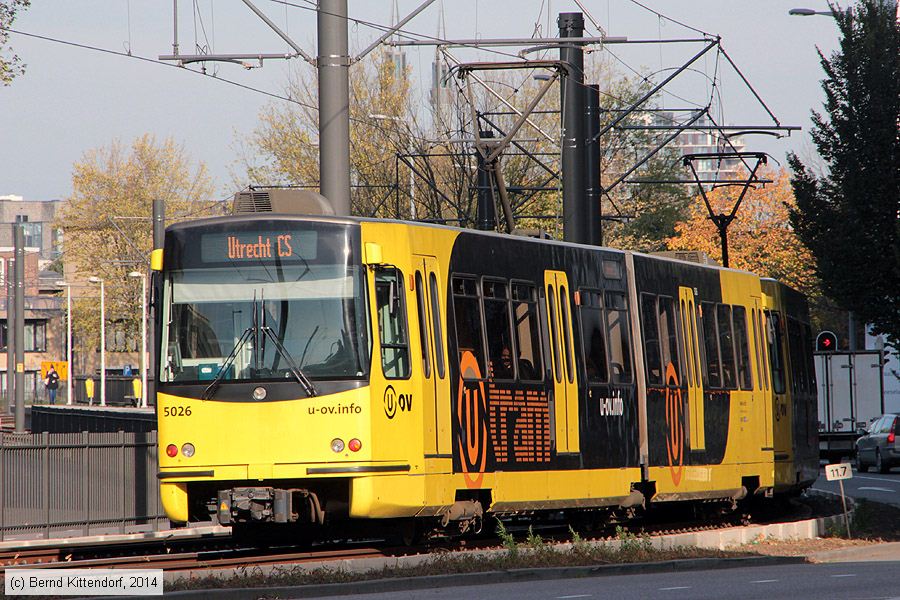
[{"x": 258, "y": 246}]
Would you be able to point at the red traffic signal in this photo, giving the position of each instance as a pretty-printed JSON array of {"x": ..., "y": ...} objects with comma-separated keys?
[{"x": 826, "y": 341}]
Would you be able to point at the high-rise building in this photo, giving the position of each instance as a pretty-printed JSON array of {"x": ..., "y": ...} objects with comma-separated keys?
[{"x": 704, "y": 141}]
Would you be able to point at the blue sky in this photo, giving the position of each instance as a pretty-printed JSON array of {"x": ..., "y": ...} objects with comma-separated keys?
[{"x": 71, "y": 100}]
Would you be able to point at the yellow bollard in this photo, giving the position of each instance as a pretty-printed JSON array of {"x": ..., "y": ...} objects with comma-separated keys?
[
  {"x": 136, "y": 390},
  {"x": 89, "y": 390}
]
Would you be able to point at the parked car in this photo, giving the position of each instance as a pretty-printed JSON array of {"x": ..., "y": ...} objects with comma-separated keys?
[{"x": 879, "y": 447}]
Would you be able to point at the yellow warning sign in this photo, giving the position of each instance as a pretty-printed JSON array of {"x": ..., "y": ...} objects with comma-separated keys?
[
  {"x": 61, "y": 366},
  {"x": 224, "y": 507}
]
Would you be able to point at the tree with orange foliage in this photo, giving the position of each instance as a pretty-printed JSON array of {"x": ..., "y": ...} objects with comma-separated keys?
[{"x": 760, "y": 239}]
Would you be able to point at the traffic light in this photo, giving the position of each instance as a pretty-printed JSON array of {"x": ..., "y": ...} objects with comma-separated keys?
[{"x": 826, "y": 341}]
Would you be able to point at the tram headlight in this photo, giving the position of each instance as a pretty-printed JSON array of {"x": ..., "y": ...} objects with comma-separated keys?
[
  {"x": 187, "y": 450},
  {"x": 337, "y": 445},
  {"x": 259, "y": 393},
  {"x": 171, "y": 450},
  {"x": 354, "y": 445}
]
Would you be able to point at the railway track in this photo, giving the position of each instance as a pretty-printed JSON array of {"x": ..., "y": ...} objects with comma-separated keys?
[{"x": 186, "y": 555}]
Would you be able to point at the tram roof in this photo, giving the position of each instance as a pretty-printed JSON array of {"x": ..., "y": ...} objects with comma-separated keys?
[{"x": 355, "y": 220}]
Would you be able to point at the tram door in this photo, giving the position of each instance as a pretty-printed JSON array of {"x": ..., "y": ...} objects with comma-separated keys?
[
  {"x": 562, "y": 357},
  {"x": 692, "y": 374},
  {"x": 762, "y": 369},
  {"x": 435, "y": 387}
]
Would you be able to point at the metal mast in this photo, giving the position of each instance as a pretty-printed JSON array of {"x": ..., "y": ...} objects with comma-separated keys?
[
  {"x": 572, "y": 99},
  {"x": 333, "y": 63}
]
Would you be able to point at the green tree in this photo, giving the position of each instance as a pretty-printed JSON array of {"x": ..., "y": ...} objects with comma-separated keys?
[
  {"x": 12, "y": 66},
  {"x": 107, "y": 221},
  {"x": 849, "y": 216}
]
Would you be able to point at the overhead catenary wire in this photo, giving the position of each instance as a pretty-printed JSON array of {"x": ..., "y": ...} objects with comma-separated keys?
[{"x": 184, "y": 69}]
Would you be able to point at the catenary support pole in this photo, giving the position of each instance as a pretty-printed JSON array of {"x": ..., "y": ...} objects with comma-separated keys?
[
  {"x": 486, "y": 214},
  {"x": 19, "y": 246},
  {"x": 144, "y": 340},
  {"x": 10, "y": 398},
  {"x": 333, "y": 62},
  {"x": 593, "y": 210},
  {"x": 572, "y": 97},
  {"x": 70, "y": 371}
]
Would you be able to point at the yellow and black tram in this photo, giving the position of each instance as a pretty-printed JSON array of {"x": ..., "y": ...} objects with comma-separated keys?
[{"x": 322, "y": 369}]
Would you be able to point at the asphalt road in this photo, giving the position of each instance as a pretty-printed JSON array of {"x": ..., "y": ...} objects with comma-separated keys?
[
  {"x": 843, "y": 581},
  {"x": 871, "y": 486}
]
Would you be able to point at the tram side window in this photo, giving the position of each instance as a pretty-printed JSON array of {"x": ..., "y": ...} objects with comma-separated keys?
[
  {"x": 776, "y": 360},
  {"x": 668, "y": 336},
  {"x": 745, "y": 372},
  {"x": 761, "y": 335},
  {"x": 423, "y": 324},
  {"x": 566, "y": 325},
  {"x": 392, "y": 323},
  {"x": 650, "y": 333},
  {"x": 496, "y": 318},
  {"x": 436, "y": 324},
  {"x": 798, "y": 365},
  {"x": 467, "y": 313},
  {"x": 688, "y": 329},
  {"x": 619, "y": 340},
  {"x": 526, "y": 329},
  {"x": 592, "y": 337},
  {"x": 713, "y": 370},
  {"x": 554, "y": 338},
  {"x": 756, "y": 352},
  {"x": 726, "y": 346}
]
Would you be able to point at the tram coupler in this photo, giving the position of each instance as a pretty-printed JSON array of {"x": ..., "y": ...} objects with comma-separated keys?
[{"x": 268, "y": 505}]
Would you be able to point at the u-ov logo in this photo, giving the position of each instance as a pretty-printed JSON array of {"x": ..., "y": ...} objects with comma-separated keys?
[
  {"x": 390, "y": 402},
  {"x": 470, "y": 410},
  {"x": 394, "y": 402},
  {"x": 675, "y": 421}
]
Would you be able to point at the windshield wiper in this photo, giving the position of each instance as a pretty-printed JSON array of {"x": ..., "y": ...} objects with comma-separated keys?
[
  {"x": 211, "y": 388},
  {"x": 302, "y": 379},
  {"x": 295, "y": 370}
]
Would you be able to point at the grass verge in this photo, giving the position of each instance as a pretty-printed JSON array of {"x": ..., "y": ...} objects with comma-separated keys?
[{"x": 531, "y": 552}]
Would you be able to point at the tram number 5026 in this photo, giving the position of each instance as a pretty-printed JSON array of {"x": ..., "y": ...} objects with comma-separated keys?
[{"x": 177, "y": 411}]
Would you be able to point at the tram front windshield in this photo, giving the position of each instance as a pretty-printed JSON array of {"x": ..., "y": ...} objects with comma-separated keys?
[{"x": 259, "y": 318}]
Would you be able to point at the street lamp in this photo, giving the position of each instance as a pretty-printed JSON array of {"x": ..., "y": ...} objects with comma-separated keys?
[
  {"x": 102, "y": 338},
  {"x": 69, "y": 370},
  {"x": 806, "y": 12},
  {"x": 143, "y": 278}
]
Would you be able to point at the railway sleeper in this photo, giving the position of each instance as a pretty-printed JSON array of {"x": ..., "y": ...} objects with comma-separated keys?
[{"x": 268, "y": 505}]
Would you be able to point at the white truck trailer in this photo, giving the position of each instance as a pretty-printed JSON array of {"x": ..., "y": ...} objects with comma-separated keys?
[{"x": 850, "y": 397}]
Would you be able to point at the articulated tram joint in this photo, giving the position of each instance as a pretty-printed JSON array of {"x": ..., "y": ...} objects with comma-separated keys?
[
  {"x": 268, "y": 505},
  {"x": 467, "y": 514}
]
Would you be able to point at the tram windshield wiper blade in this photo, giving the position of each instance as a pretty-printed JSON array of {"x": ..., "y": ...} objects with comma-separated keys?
[
  {"x": 292, "y": 364},
  {"x": 211, "y": 388}
]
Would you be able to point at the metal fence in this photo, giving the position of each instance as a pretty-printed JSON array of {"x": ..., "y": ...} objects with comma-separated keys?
[{"x": 56, "y": 485}]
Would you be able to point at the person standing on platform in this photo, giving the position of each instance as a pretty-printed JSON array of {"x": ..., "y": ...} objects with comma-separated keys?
[{"x": 52, "y": 383}]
